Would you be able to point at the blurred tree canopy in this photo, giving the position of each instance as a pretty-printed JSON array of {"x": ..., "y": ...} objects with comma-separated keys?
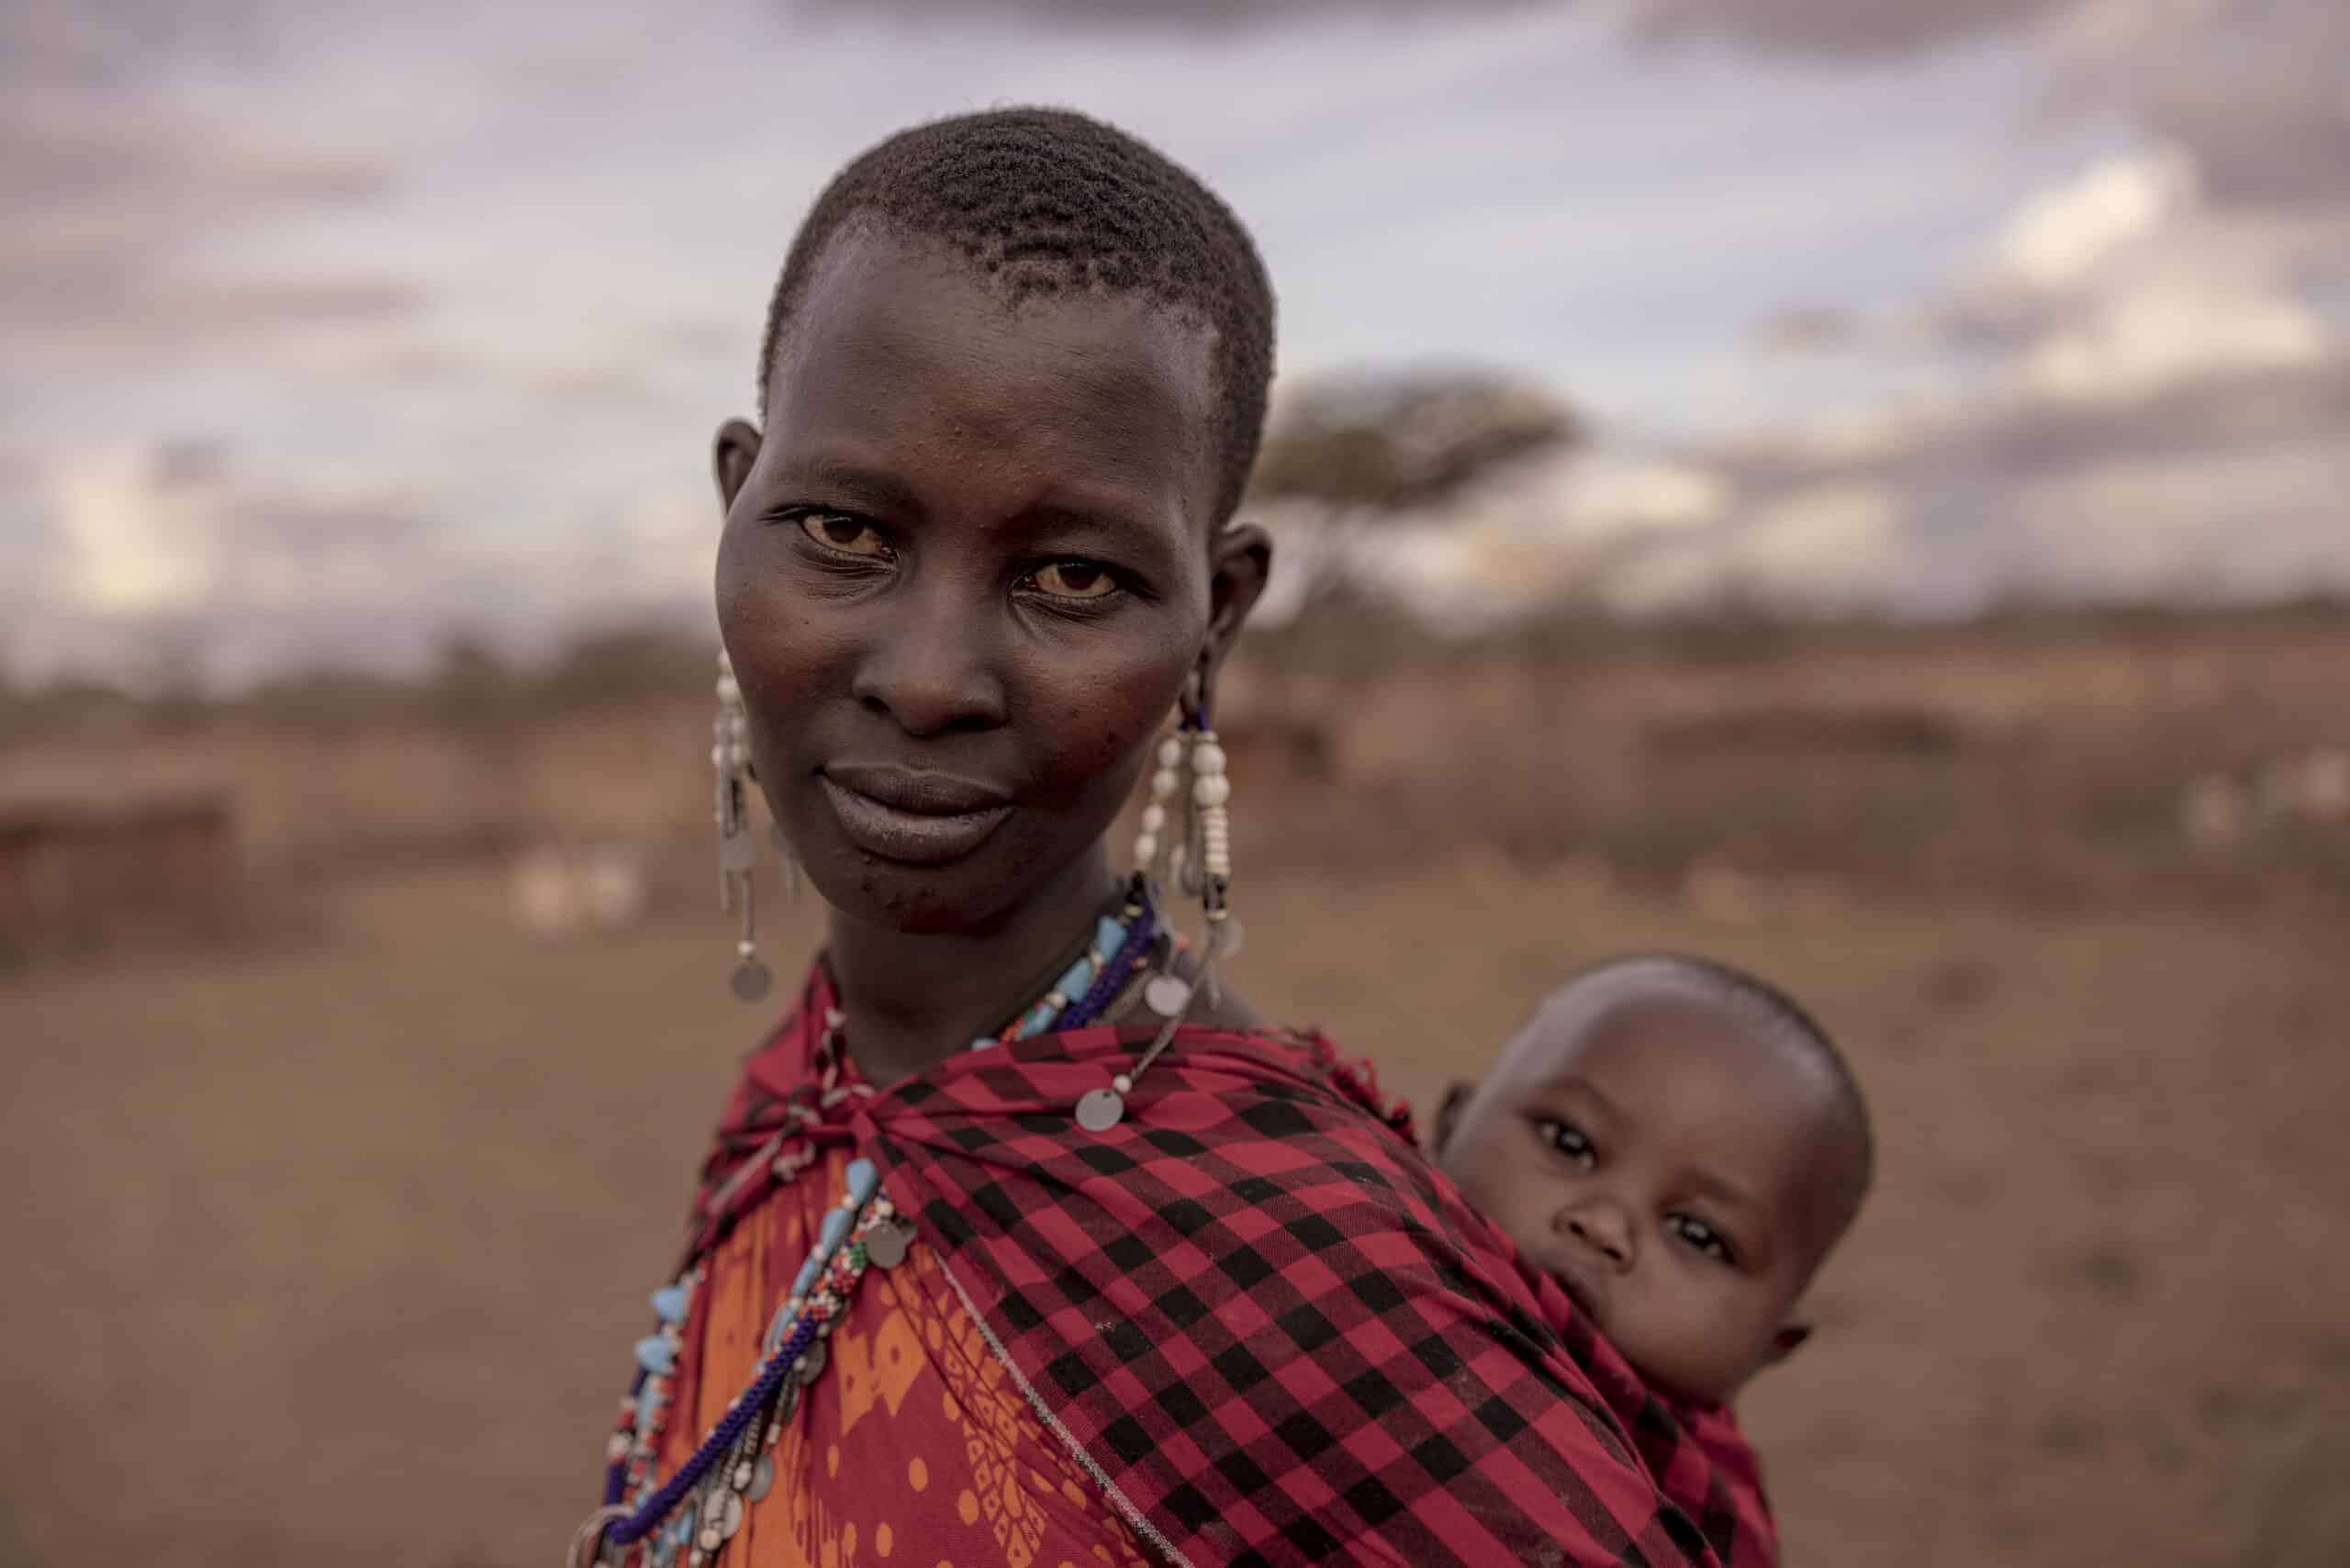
[{"x": 1408, "y": 442}]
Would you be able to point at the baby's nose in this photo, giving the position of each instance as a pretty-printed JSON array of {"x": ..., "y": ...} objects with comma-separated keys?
[{"x": 1605, "y": 1228}]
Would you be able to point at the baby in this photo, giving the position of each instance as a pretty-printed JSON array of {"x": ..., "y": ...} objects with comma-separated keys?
[{"x": 1680, "y": 1145}]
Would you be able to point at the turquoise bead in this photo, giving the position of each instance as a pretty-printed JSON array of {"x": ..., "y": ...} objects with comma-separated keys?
[
  {"x": 983, "y": 1042},
  {"x": 669, "y": 1304},
  {"x": 1034, "y": 1020},
  {"x": 808, "y": 1273},
  {"x": 1078, "y": 980},
  {"x": 835, "y": 1227},
  {"x": 655, "y": 1355},
  {"x": 1108, "y": 937},
  {"x": 864, "y": 1176}
]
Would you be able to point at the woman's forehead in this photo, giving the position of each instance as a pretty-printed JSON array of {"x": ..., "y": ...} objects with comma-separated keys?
[{"x": 902, "y": 342}]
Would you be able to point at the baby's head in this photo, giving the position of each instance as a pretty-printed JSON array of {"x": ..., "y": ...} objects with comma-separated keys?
[{"x": 1680, "y": 1144}]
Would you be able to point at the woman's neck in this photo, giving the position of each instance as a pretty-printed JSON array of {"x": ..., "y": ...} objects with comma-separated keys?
[{"x": 914, "y": 1000}]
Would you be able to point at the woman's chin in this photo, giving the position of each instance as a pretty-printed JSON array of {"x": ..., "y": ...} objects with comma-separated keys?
[{"x": 917, "y": 900}]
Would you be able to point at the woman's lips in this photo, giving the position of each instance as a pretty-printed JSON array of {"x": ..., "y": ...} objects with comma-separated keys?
[{"x": 914, "y": 817}]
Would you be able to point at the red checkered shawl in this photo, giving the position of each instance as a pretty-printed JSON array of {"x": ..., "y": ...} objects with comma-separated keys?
[{"x": 1271, "y": 1331}]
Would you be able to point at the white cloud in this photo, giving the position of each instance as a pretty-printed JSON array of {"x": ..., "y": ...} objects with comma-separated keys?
[{"x": 2058, "y": 237}]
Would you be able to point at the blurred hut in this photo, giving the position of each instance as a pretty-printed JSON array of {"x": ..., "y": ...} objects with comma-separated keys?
[{"x": 86, "y": 868}]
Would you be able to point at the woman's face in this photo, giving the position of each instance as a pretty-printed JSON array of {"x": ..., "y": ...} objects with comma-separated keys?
[{"x": 966, "y": 573}]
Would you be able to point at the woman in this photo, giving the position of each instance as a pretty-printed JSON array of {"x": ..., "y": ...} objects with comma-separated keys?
[{"x": 1023, "y": 1240}]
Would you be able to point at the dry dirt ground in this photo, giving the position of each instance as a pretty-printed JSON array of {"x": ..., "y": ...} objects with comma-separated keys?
[{"x": 331, "y": 1253}]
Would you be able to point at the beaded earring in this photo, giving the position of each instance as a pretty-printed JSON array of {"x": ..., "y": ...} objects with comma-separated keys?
[
  {"x": 730, "y": 758},
  {"x": 1193, "y": 850}
]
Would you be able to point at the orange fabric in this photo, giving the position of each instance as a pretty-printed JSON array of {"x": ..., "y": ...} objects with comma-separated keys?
[{"x": 913, "y": 1447}]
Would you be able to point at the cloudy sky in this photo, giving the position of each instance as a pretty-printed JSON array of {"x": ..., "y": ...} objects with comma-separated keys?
[{"x": 332, "y": 327}]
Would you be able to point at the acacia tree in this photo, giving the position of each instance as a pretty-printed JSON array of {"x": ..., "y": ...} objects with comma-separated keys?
[{"x": 1346, "y": 461}]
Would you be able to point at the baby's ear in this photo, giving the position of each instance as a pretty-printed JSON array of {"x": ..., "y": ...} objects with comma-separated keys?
[
  {"x": 1790, "y": 1334},
  {"x": 1448, "y": 1117}
]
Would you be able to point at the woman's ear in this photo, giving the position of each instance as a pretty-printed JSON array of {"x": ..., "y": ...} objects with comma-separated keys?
[
  {"x": 732, "y": 454},
  {"x": 1240, "y": 558}
]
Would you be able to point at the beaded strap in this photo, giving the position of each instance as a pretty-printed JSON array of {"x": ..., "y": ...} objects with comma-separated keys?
[{"x": 841, "y": 1276}]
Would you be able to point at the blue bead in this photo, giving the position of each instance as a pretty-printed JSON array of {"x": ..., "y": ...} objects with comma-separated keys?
[
  {"x": 835, "y": 1227},
  {"x": 669, "y": 1304},
  {"x": 1108, "y": 937},
  {"x": 808, "y": 1273},
  {"x": 655, "y": 1355},
  {"x": 863, "y": 1177},
  {"x": 1078, "y": 980},
  {"x": 1034, "y": 1020},
  {"x": 983, "y": 1042}
]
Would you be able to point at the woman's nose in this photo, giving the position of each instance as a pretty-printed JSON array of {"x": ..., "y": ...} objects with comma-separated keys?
[
  {"x": 1604, "y": 1226},
  {"x": 931, "y": 670}
]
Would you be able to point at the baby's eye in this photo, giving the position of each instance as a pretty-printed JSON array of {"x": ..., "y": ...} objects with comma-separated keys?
[
  {"x": 850, "y": 536},
  {"x": 1568, "y": 1140},
  {"x": 1074, "y": 579},
  {"x": 1701, "y": 1236}
]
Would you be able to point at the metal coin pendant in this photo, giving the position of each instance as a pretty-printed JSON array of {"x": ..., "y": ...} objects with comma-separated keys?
[
  {"x": 751, "y": 980},
  {"x": 1099, "y": 1110},
  {"x": 885, "y": 1245},
  {"x": 730, "y": 1516},
  {"x": 812, "y": 1361},
  {"x": 762, "y": 1478},
  {"x": 1168, "y": 995}
]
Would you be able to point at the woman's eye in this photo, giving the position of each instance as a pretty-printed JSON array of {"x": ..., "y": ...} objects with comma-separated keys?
[
  {"x": 846, "y": 534},
  {"x": 1701, "y": 1236},
  {"x": 1074, "y": 579},
  {"x": 1568, "y": 1140}
]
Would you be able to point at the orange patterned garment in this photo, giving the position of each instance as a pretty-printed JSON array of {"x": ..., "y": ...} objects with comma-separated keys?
[{"x": 914, "y": 1447}]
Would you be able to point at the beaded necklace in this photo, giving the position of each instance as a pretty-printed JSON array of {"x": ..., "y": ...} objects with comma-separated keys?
[{"x": 646, "y": 1522}]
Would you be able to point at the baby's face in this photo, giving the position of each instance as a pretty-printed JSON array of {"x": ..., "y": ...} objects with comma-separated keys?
[{"x": 1679, "y": 1172}]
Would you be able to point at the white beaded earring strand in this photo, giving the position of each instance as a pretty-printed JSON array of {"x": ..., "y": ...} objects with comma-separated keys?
[{"x": 730, "y": 758}]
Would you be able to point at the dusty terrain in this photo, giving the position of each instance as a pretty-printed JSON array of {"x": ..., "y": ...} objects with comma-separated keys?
[{"x": 327, "y": 1245}]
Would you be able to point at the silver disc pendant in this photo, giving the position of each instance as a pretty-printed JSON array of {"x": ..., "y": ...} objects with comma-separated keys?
[
  {"x": 751, "y": 980},
  {"x": 811, "y": 1365},
  {"x": 762, "y": 1478},
  {"x": 1225, "y": 938},
  {"x": 730, "y": 1516},
  {"x": 1168, "y": 995},
  {"x": 1099, "y": 1110},
  {"x": 737, "y": 851},
  {"x": 886, "y": 1245}
]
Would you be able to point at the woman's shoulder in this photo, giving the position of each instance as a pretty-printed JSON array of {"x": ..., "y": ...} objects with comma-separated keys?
[{"x": 1313, "y": 1058}]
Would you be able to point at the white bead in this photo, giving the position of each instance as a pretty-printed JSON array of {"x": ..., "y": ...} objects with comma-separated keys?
[
  {"x": 1211, "y": 789},
  {"x": 718, "y": 755},
  {"x": 1154, "y": 819},
  {"x": 1170, "y": 753},
  {"x": 1145, "y": 849},
  {"x": 1163, "y": 783},
  {"x": 1122, "y": 1084},
  {"x": 1207, "y": 757},
  {"x": 729, "y": 691},
  {"x": 743, "y": 950}
]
